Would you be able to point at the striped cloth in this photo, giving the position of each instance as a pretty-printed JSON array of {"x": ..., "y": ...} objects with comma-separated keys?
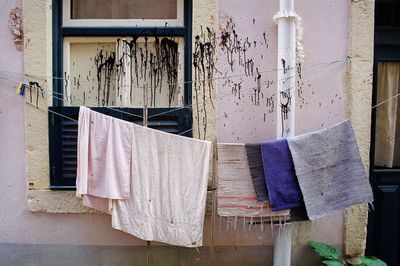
[{"x": 235, "y": 190}]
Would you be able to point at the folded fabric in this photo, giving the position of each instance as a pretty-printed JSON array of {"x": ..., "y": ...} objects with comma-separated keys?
[
  {"x": 235, "y": 191},
  {"x": 83, "y": 151},
  {"x": 104, "y": 158},
  {"x": 280, "y": 177},
  {"x": 329, "y": 170},
  {"x": 169, "y": 188},
  {"x": 254, "y": 159},
  {"x": 100, "y": 204}
]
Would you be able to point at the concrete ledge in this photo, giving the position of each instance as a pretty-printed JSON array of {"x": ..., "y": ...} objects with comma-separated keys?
[
  {"x": 51, "y": 201},
  {"x": 55, "y": 202}
]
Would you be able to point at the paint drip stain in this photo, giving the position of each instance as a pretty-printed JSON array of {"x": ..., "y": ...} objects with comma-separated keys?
[
  {"x": 153, "y": 63},
  {"x": 204, "y": 71}
]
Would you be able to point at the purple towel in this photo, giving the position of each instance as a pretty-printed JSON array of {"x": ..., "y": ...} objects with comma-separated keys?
[
  {"x": 257, "y": 171},
  {"x": 283, "y": 188}
]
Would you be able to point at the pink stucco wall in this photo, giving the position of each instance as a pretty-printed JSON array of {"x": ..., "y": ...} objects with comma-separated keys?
[
  {"x": 325, "y": 40},
  {"x": 320, "y": 97},
  {"x": 17, "y": 224},
  {"x": 320, "y": 92}
]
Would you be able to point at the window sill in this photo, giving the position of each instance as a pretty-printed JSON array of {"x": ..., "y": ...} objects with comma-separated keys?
[
  {"x": 56, "y": 202},
  {"x": 51, "y": 201}
]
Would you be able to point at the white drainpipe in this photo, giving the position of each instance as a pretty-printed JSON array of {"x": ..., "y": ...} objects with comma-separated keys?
[
  {"x": 286, "y": 69},
  {"x": 285, "y": 106}
]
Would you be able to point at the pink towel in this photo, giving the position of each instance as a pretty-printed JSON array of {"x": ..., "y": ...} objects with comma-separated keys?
[
  {"x": 104, "y": 159},
  {"x": 97, "y": 203}
]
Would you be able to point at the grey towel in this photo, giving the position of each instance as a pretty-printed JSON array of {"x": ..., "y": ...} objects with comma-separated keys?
[
  {"x": 329, "y": 169},
  {"x": 257, "y": 171}
]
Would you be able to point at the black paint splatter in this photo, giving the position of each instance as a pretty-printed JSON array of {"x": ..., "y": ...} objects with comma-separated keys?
[
  {"x": 152, "y": 68},
  {"x": 34, "y": 86},
  {"x": 236, "y": 50},
  {"x": 204, "y": 71},
  {"x": 285, "y": 68},
  {"x": 105, "y": 70},
  {"x": 285, "y": 103}
]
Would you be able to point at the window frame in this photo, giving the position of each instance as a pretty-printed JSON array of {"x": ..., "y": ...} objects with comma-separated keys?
[
  {"x": 59, "y": 32},
  {"x": 384, "y": 181},
  {"x": 179, "y": 21}
]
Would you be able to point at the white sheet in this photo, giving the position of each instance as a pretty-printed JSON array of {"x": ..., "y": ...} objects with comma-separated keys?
[{"x": 169, "y": 189}]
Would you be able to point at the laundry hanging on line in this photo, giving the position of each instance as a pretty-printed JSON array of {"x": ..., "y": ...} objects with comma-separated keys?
[
  {"x": 253, "y": 152},
  {"x": 277, "y": 156},
  {"x": 313, "y": 174},
  {"x": 20, "y": 89},
  {"x": 104, "y": 159},
  {"x": 169, "y": 189},
  {"x": 164, "y": 199},
  {"x": 280, "y": 176},
  {"x": 235, "y": 190},
  {"x": 329, "y": 170}
]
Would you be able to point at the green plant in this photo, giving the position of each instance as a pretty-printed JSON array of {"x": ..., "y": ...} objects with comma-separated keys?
[{"x": 333, "y": 257}]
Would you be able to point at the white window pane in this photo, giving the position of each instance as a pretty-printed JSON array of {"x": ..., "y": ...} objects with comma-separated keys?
[
  {"x": 113, "y": 71},
  {"x": 90, "y": 74}
]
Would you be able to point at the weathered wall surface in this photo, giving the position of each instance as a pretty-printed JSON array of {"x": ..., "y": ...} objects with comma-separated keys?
[
  {"x": 249, "y": 60},
  {"x": 247, "y": 97},
  {"x": 361, "y": 50},
  {"x": 88, "y": 237}
]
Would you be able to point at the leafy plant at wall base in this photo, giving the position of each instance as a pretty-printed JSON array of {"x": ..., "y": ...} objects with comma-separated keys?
[
  {"x": 333, "y": 257},
  {"x": 325, "y": 251}
]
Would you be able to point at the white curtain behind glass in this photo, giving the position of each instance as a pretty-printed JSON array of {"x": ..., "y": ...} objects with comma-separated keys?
[{"x": 387, "y": 138}]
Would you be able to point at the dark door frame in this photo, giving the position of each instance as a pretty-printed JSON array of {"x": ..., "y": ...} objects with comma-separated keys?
[{"x": 383, "y": 239}]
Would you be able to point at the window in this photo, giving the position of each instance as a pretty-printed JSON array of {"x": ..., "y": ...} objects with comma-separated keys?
[
  {"x": 387, "y": 116},
  {"x": 104, "y": 53},
  {"x": 387, "y": 13}
]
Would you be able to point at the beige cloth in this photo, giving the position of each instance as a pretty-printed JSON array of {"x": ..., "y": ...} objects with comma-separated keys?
[
  {"x": 235, "y": 190},
  {"x": 169, "y": 188}
]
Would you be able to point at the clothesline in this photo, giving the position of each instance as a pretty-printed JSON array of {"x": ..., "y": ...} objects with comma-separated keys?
[
  {"x": 110, "y": 108},
  {"x": 72, "y": 119},
  {"x": 121, "y": 111},
  {"x": 48, "y": 92},
  {"x": 308, "y": 67},
  {"x": 175, "y": 109},
  {"x": 178, "y": 83},
  {"x": 284, "y": 79}
]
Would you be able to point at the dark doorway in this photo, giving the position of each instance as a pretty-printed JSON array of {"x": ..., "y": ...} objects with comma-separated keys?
[{"x": 383, "y": 238}]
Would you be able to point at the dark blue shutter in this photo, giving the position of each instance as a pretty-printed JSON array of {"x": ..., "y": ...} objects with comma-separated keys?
[{"x": 63, "y": 134}]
